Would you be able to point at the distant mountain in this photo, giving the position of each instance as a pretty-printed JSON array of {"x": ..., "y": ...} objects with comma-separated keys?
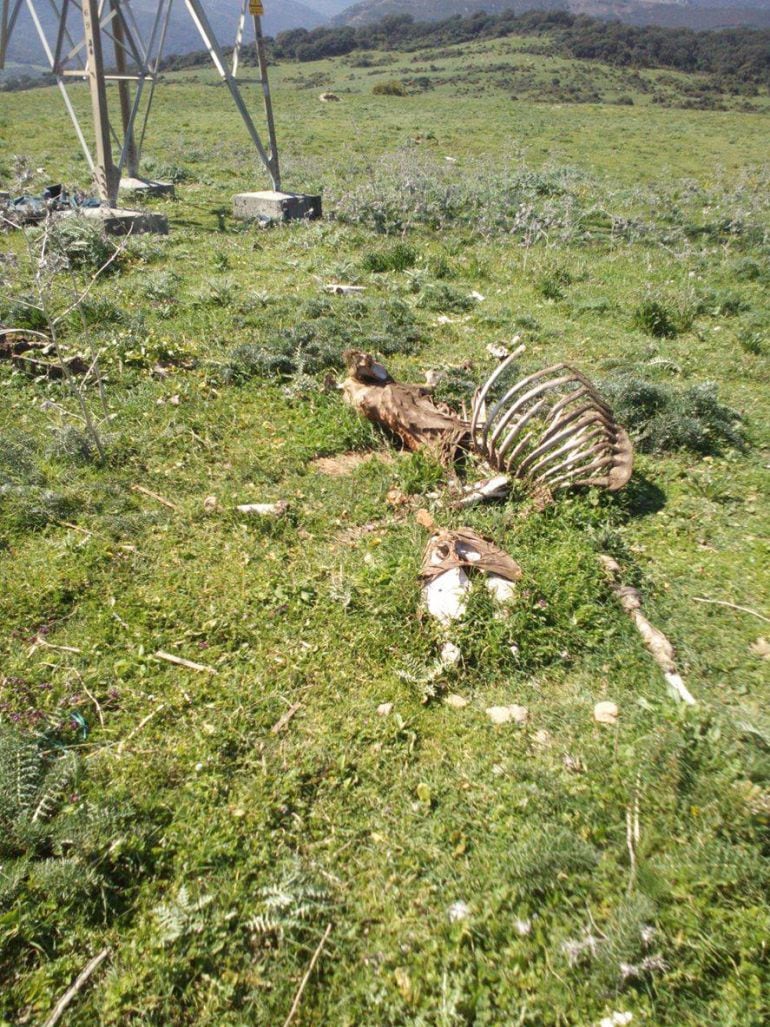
[
  {"x": 695, "y": 14},
  {"x": 330, "y": 7},
  {"x": 25, "y": 48}
]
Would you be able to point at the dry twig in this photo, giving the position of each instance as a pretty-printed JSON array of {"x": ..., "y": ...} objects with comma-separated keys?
[
  {"x": 179, "y": 661},
  {"x": 61, "y": 1006},
  {"x": 155, "y": 496},
  {"x": 306, "y": 978},
  {"x": 732, "y": 606},
  {"x": 281, "y": 723}
]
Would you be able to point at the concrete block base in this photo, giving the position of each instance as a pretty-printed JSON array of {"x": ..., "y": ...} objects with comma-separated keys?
[
  {"x": 147, "y": 187},
  {"x": 119, "y": 221},
  {"x": 276, "y": 206}
]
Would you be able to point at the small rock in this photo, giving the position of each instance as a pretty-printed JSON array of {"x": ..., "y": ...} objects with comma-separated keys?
[
  {"x": 506, "y": 714},
  {"x": 396, "y": 497},
  {"x": 498, "y": 352},
  {"x": 425, "y": 519},
  {"x": 457, "y": 702},
  {"x": 761, "y": 648},
  {"x": 477, "y": 296},
  {"x": 542, "y": 738},
  {"x": 522, "y": 927},
  {"x": 606, "y": 713},
  {"x": 450, "y": 654},
  {"x": 210, "y": 504},
  {"x": 384, "y": 709}
]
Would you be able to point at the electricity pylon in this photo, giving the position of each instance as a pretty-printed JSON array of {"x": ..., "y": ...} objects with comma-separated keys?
[{"x": 87, "y": 33}]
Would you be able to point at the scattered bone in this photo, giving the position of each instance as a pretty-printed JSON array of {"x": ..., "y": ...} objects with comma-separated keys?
[
  {"x": 483, "y": 491},
  {"x": 606, "y": 713},
  {"x": 506, "y": 714},
  {"x": 457, "y": 702},
  {"x": 329, "y": 98},
  {"x": 264, "y": 509},
  {"x": 656, "y": 642},
  {"x": 340, "y": 289},
  {"x": 502, "y": 589},
  {"x": 551, "y": 428},
  {"x": 406, "y": 410},
  {"x": 384, "y": 709},
  {"x": 458, "y": 911},
  {"x": 477, "y": 296}
]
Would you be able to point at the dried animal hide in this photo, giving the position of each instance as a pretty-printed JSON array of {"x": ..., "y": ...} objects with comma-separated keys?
[
  {"x": 551, "y": 428},
  {"x": 449, "y": 554},
  {"x": 465, "y": 548},
  {"x": 406, "y": 410}
]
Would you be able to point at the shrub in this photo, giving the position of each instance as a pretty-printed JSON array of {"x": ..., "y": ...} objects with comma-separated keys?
[
  {"x": 663, "y": 419},
  {"x": 400, "y": 257},
  {"x": 321, "y": 334},
  {"x": 655, "y": 318},
  {"x": 82, "y": 244},
  {"x": 440, "y": 296},
  {"x": 391, "y": 87}
]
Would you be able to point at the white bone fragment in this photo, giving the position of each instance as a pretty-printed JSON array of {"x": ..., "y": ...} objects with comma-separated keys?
[
  {"x": 445, "y": 596},
  {"x": 264, "y": 509}
]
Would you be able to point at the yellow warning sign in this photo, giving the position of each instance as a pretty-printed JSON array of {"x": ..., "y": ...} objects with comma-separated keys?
[{"x": 256, "y": 7}]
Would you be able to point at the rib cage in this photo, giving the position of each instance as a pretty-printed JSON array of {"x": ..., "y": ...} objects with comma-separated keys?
[{"x": 551, "y": 428}]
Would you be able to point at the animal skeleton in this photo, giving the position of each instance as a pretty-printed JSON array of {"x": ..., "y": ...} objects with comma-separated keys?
[{"x": 551, "y": 428}]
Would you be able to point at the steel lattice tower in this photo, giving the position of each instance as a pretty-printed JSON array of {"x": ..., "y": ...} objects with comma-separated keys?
[{"x": 88, "y": 33}]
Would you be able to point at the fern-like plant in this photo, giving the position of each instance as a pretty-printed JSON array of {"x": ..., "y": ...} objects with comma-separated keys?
[
  {"x": 289, "y": 908},
  {"x": 49, "y": 844}
]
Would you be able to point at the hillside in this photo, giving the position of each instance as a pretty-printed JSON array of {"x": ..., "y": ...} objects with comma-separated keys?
[
  {"x": 244, "y": 780},
  {"x": 25, "y": 49},
  {"x": 695, "y": 14}
]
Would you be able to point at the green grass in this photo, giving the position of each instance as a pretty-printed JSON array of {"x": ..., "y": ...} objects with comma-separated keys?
[{"x": 210, "y": 853}]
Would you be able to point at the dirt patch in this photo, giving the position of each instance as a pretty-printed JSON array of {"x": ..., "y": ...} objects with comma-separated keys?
[{"x": 345, "y": 463}]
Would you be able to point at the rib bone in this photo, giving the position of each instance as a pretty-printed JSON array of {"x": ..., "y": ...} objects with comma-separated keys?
[{"x": 571, "y": 436}]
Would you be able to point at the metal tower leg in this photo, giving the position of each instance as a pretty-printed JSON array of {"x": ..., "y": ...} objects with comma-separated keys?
[{"x": 106, "y": 175}]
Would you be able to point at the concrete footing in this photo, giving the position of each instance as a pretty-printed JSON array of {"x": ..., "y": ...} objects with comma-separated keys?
[
  {"x": 276, "y": 206},
  {"x": 119, "y": 221},
  {"x": 147, "y": 187}
]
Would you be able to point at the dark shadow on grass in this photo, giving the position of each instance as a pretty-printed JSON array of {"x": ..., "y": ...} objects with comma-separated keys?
[{"x": 642, "y": 497}]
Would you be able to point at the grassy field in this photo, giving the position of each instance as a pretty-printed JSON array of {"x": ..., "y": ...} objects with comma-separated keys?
[{"x": 456, "y": 871}]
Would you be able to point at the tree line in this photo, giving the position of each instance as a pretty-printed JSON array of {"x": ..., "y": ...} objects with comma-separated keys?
[{"x": 740, "y": 55}]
